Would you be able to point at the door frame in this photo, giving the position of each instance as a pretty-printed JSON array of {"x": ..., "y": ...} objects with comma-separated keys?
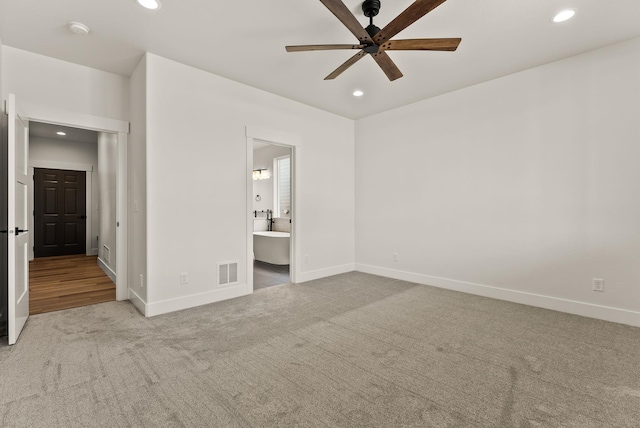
[
  {"x": 88, "y": 169},
  {"x": 278, "y": 138},
  {"x": 121, "y": 129}
]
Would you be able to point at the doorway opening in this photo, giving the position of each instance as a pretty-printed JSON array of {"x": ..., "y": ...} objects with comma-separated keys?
[
  {"x": 72, "y": 197},
  {"x": 272, "y": 214}
]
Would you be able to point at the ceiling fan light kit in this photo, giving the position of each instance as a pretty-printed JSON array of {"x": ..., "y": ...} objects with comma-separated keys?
[{"x": 375, "y": 41}]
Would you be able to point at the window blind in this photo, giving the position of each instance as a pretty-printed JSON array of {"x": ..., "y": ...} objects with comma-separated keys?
[{"x": 284, "y": 186}]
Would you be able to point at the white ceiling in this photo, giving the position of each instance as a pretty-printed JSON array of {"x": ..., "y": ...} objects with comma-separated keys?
[
  {"x": 45, "y": 130},
  {"x": 244, "y": 41}
]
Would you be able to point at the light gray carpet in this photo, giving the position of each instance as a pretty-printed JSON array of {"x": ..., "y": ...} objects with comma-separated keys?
[{"x": 351, "y": 350}]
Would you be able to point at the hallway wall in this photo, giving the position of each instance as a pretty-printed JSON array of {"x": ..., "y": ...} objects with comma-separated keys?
[
  {"x": 107, "y": 168},
  {"x": 52, "y": 151}
]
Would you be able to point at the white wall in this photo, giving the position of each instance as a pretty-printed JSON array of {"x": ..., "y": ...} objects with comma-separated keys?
[
  {"x": 523, "y": 188},
  {"x": 53, "y": 153},
  {"x": 107, "y": 167},
  {"x": 263, "y": 158},
  {"x": 197, "y": 181},
  {"x": 137, "y": 260},
  {"x": 55, "y": 91},
  {"x": 1, "y": 73},
  {"x": 47, "y": 86}
]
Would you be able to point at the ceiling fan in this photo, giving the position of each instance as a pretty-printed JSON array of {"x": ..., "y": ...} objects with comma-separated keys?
[{"x": 376, "y": 42}]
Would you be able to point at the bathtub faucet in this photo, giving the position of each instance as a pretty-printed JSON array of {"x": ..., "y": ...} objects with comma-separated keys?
[{"x": 269, "y": 220}]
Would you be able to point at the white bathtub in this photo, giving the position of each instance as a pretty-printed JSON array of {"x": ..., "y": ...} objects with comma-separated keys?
[{"x": 271, "y": 247}]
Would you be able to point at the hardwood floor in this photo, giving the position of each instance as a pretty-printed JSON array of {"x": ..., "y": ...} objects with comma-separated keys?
[{"x": 65, "y": 282}]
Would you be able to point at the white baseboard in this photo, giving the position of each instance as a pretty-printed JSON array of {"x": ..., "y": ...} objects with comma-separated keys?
[
  {"x": 92, "y": 252},
  {"x": 606, "y": 313},
  {"x": 322, "y": 273},
  {"x": 186, "y": 302},
  {"x": 138, "y": 302},
  {"x": 110, "y": 273}
]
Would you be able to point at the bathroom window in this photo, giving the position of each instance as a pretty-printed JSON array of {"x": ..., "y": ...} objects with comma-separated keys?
[{"x": 282, "y": 186}]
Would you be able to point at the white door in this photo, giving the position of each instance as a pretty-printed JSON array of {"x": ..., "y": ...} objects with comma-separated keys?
[{"x": 18, "y": 150}]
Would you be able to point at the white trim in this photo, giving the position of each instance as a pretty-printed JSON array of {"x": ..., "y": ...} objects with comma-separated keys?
[
  {"x": 69, "y": 166},
  {"x": 248, "y": 210},
  {"x": 38, "y": 163},
  {"x": 296, "y": 236},
  {"x": 111, "y": 274},
  {"x": 122, "y": 226},
  {"x": 273, "y": 136},
  {"x": 194, "y": 300},
  {"x": 138, "y": 302},
  {"x": 323, "y": 273},
  {"x": 590, "y": 310},
  {"x": 78, "y": 120}
]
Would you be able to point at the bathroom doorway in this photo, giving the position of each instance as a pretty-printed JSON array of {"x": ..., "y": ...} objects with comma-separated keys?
[{"x": 272, "y": 214}]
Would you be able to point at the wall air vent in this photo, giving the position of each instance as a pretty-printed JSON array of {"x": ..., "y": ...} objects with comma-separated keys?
[{"x": 227, "y": 273}]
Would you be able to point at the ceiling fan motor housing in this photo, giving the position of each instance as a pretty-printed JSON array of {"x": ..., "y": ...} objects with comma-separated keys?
[
  {"x": 371, "y": 8},
  {"x": 372, "y": 30}
]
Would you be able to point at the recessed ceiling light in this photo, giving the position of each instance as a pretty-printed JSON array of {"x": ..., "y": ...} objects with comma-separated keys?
[
  {"x": 61, "y": 133},
  {"x": 358, "y": 93},
  {"x": 149, "y": 4},
  {"x": 565, "y": 15},
  {"x": 78, "y": 28}
]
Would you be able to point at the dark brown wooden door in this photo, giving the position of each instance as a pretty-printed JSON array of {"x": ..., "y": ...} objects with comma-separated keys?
[{"x": 60, "y": 212}]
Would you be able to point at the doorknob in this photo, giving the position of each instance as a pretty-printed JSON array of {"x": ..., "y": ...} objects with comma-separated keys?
[
  {"x": 82, "y": 216},
  {"x": 19, "y": 231}
]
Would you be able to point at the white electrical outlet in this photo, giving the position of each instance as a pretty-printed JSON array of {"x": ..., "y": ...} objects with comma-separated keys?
[
  {"x": 598, "y": 284},
  {"x": 395, "y": 257},
  {"x": 141, "y": 281},
  {"x": 306, "y": 258},
  {"x": 184, "y": 278}
]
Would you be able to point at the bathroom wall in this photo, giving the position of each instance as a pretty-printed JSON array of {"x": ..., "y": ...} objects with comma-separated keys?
[
  {"x": 282, "y": 224},
  {"x": 263, "y": 158}
]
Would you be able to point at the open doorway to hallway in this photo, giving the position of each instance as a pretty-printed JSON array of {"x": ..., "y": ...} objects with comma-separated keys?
[
  {"x": 272, "y": 214},
  {"x": 72, "y": 198}
]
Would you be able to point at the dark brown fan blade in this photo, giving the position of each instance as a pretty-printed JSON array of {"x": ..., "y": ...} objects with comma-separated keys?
[
  {"x": 410, "y": 15},
  {"x": 346, "y": 17},
  {"x": 304, "y": 48},
  {"x": 338, "y": 71},
  {"x": 388, "y": 66},
  {"x": 422, "y": 45}
]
